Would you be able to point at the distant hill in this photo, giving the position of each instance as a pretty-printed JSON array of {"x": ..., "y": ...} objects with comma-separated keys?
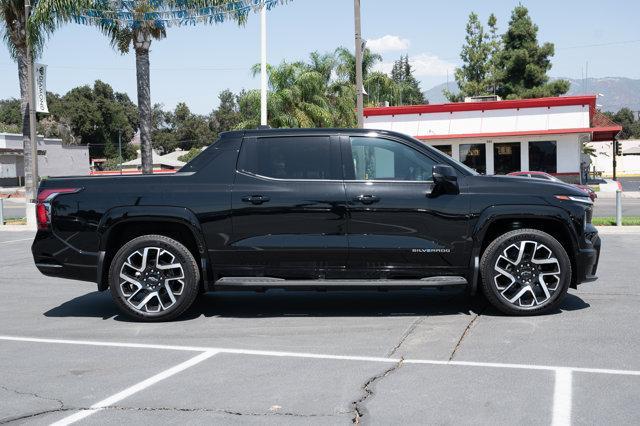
[{"x": 618, "y": 92}]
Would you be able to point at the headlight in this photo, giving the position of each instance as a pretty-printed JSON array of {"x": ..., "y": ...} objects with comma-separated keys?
[{"x": 577, "y": 198}]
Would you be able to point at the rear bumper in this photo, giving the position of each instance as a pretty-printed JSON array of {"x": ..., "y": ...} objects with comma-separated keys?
[
  {"x": 56, "y": 258},
  {"x": 587, "y": 258}
]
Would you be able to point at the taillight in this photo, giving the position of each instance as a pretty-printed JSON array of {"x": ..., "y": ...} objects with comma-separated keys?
[{"x": 43, "y": 205}]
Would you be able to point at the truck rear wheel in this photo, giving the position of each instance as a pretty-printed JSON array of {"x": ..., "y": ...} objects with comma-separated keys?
[
  {"x": 154, "y": 278},
  {"x": 525, "y": 272}
]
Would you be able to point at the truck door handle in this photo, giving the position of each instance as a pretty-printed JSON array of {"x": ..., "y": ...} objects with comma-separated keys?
[
  {"x": 367, "y": 199},
  {"x": 255, "y": 199}
]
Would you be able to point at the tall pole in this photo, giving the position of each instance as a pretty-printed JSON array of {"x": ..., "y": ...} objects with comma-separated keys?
[
  {"x": 33, "y": 190},
  {"x": 358, "y": 34},
  {"x": 263, "y": 65},
  {"x": 615, "y": 160},
  {"x": 120, "y": 149}
]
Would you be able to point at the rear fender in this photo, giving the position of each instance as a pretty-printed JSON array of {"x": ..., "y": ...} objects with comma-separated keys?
[{"x": 118, "y": 216}]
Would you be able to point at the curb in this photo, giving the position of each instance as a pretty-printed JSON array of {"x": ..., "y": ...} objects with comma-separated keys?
[
  {"x": 617, "y": 230},
  {"x": 17, "y": 228}
]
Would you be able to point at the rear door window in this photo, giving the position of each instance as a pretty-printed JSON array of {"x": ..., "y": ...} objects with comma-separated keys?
[{"x": 294, "y": 158}]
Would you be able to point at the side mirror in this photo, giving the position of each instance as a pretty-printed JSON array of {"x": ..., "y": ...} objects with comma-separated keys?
[{"x": 445, "y": 180}]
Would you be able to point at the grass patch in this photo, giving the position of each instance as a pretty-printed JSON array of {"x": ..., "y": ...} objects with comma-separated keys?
[{"x": 611, "y": 221}]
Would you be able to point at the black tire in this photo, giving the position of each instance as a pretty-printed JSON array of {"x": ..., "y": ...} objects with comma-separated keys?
[
  {"x": 491, "y": 277},
  {"x": 181, "y": 254}
]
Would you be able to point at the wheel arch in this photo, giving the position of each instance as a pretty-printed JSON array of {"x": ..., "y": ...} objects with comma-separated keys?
[
  {"x": 497, "y": 220},
  {"x": 121, "y": 224}
]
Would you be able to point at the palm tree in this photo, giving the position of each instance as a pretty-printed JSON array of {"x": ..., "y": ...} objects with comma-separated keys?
[
  {"x": 347, "y": 63},
  {"x": 303, "y": 95},
  {"x": 145, "y": 28},
  {"x": 12, "y": 13}
]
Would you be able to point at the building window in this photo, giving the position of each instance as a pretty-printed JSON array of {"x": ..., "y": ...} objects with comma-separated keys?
[
  {"x": 543, "y": 156},
  {"x": 474, "y": 155},
  {"x": 506, "y": 157},
  {"x": 445, "y": 149}
]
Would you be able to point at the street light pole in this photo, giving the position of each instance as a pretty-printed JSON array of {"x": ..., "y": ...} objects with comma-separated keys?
[
  {"x": 359, "y": 86},
  {"x": 32, "y": 190},
  {"x": 263, "y": 64}
]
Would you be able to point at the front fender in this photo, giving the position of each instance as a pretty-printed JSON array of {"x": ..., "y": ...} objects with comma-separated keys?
[
  {"x": 513, "y": 212},
  {"x": 541, "y": 212}
]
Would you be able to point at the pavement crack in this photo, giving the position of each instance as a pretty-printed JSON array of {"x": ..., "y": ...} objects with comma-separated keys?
[
  {"x": 408, "y": 332},
  {"x": 60, "y": 407},
  {"x": 220, "y": 411},
  {"x": 21, "y": 417},
  {"x": 466, "y": 331},
  {"x": 359, "y": 410}
]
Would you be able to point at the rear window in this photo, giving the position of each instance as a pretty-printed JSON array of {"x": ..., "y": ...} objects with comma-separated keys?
[{"x": 307, "y": 157}]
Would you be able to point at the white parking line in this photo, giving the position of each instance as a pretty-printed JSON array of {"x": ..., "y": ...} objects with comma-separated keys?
[
  {"x": 15, "y": 241},
  {"x": 322, "y": 356},
  {"x": 113, "y": 399},
  {"x": 562, "y": 398}
]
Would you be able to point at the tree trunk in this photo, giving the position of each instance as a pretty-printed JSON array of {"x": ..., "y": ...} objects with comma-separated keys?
[
  {"x": 144, "y": 108},
  {"x": 24, "y": 109}
]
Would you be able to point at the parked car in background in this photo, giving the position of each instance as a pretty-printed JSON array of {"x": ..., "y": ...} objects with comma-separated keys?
[{"x": 547, "y": 176}]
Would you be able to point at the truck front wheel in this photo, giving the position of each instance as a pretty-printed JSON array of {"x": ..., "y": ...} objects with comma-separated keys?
[
  {"x": 154, "y": 278},
  {"x": 525, "y": 272}
]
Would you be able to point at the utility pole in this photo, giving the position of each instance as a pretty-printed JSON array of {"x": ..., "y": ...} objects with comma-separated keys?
[
  {"x": 358, "y": 34},
  {"x": 120, "y": 148},
  {"x": 615, "y": 160},
  {"x": 32, "y": 191},
  {"x": 263, "y": 64}
]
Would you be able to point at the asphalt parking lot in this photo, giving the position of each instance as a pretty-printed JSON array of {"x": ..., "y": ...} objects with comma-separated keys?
[{"x": 66, "y": 355}]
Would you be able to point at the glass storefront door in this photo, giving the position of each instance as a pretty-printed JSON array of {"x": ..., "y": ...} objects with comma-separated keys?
[{"x": 474, "y": 155}]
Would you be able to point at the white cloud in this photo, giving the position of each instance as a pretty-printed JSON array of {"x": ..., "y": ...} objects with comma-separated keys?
[
  {"x": 423, "y": 65},
  {"x": 387, "y": 43}
]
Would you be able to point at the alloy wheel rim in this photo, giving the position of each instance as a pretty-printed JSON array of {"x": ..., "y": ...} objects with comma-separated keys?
[
  {"x": 527, "y": 274},
  {"x": 151, "y": 280}
]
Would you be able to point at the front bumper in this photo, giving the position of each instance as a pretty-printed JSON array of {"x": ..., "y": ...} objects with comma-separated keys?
[{"x": 588, "y": 257}]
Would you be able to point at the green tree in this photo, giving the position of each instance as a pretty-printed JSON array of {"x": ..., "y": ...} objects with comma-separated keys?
[
  {"x": 523, "y": 63},
  {"x": 227, "y": 116},
  {"x": 406, "y": 87},
  {"x": 10, "y": 112},
  {"x": 495, "y": 46},
  {"x": 302, "y": 95},
  {"x": 96, "y": 116},
  {"x": 346, "y": 63},
  {"x": 180, "y": 128},
  {"x": 472, "y": 76},
  {"x": 627, "y": 119}
]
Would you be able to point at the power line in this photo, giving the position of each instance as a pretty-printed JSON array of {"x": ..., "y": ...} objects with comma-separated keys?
[{"x": 611, "y": 43}]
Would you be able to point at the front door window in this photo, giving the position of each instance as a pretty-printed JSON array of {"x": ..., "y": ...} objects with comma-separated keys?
[{"x": 384, "y": 159}]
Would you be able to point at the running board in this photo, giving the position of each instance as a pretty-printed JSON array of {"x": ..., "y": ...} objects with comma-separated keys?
[{"x": 268, "y": 282}]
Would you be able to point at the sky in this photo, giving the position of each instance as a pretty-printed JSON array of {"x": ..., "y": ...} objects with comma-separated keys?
[{"x": 193, "y": 64}]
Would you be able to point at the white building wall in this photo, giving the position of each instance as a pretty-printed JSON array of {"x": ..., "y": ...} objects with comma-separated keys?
[
  {"x": 59, "y": 160},
  {"x": 488, "y": 121},
  {"x": 603, "y": 161}
]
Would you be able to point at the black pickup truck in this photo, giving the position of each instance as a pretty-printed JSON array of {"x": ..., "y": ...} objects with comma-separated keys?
[{"x": 316, "y": 209}]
